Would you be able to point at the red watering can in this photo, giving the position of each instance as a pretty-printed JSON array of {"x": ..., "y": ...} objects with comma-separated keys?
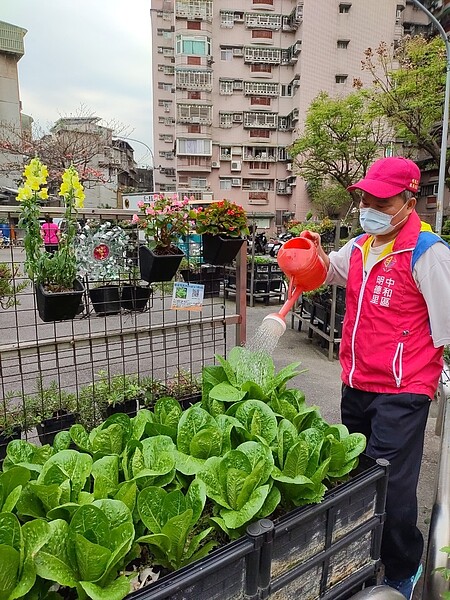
[{"x": 306, "y": 271}]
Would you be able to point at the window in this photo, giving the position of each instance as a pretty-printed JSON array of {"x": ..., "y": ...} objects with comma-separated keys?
[
  {"x": 262, "y": 34},
  {"x": 201, "y": 147},
  {"x": 259, "y": 133},
  {"x": 343, "y": 43},
  {"x": 261, "y": 68},
  {"x": 226, "y": 18},
  {"x": 263, "y": 20},
  {"x": 344, "y": 7},
  {"x": 193, "y": 79},
  {"x": 225, "y": 86},
  {"x": 198, "y": 45},
  {"x": 260, "y": 119},
  {"x": 225, "y": 183},
  {"x": 165, "y": 33},
  {"x": 226, "y": 54},
  {"x": 260, "y": 88},
  {"x": 194, "y": 95},
  {"x": 194, "y": 129},
  {"x": 341, "y": 78},
  {"x": 286, "y": 89},
  {"x": 194, "y": 25},
  {"x": 260, "y": 101},
  {"x": 226, "y": 120},
  {"x": 167, "y": 87},
  {"x": 262, "y": 55},
  {"x": 198, "y": 182}
]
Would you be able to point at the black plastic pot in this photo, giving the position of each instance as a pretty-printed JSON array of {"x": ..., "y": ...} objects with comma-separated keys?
[
  {"x": 135, "y": 297},
  {"x": 220, "y": 249},
  {"x": 106, "y": 299},
  {"x": 5, "y": 439},
  {"x": 59, "y": 306},
  {"x": 209, "y": 278},
  {"x": 128, "y": 407},
  {"x": 48, "y": 428},
  {"x": 188, "y": 401},
  {"x": 158, "y": 267}
]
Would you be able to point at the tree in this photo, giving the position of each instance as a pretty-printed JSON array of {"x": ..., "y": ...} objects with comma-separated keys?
[
  {"x": 408, "y": 90},
  {"x": 76, "y": 139},
  {"x": 340, "y": 141}
]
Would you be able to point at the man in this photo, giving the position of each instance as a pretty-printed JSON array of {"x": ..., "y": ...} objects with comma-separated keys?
[{"x": 397, "y": 321}]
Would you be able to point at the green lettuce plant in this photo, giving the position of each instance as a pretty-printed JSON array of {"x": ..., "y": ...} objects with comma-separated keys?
[
  {"x": 171, "y": 518},
  {"x": 89, "y": 552}
]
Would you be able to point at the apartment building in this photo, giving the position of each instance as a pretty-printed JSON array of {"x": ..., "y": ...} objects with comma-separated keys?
[
  {"x": 11, "y": 51},
  {"x": 232, "y": 81}
]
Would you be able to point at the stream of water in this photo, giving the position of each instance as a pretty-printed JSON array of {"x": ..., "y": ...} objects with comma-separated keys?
[{"x": 266, "y": 337}]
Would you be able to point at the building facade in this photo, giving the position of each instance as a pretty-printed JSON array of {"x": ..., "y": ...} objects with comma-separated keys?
[{"x": 233, "y": 80}]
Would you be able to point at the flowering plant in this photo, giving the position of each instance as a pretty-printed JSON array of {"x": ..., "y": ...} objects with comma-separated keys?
[
  {"x": 223, "y": 217},
  {"x": 164, "y": 221},
  {"x": 57, "y": 271}
]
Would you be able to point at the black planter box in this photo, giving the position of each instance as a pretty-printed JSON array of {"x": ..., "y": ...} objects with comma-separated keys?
[
  {"x": 220, "y": 249},
  {"x": 106, "y": 299},
  {"x": 5, "y": 439},
  {"x": 135, "y": 297},
  {"x": 325, "y": 550},
  {"x": 48, "y": 428},
  {"x": 59, "y": 306},
  {"x": 211, "y": 279},
  {"x": 158, "y": 267},
  {"x": 128, "y": 407}
]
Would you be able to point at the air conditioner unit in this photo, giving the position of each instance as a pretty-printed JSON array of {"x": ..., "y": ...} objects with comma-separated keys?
[
  {"x": 238, "y": 51},
  {"x": 288, "y": 189},
  {"x": 237, "y": 118},
  {"x": 160, "y": 67},
  {"x": 289, "y": 167},
  {"x": 235, "y": 165},
  {"x": 215, "y": 164},
  {"x": 238, "y": 85},
  {"x": 236, "y": 182}
]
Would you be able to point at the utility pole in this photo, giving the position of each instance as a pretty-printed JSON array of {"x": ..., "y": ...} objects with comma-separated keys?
[{"x": 443, "y": 157}]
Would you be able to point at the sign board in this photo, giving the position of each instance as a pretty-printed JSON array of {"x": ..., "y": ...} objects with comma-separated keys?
[{"x": 187, "y": 296}]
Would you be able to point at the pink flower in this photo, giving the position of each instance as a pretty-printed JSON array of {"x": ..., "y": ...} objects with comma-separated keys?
[
  {"x": 140, "y": 204},
  {"x": 135, "y": 219}
]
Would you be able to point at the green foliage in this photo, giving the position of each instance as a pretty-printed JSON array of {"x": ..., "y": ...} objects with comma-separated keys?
[
  {"x": 444, "y": 571},
  {"x": 161, "y": 484},
  {"x": 341, "y": 139},
  {"x": 222, "y": 217},
  {"x": 408, "y": 90},
  {"x": 9, "y": 285}
]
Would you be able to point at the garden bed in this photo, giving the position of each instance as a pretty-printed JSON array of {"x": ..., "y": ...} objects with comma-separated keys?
[{"x": 320, "y": 551}]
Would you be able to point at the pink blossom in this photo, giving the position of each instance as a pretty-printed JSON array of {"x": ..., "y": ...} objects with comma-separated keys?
[
  {"x": 140, "y": 204},
  {"x": 135, "y": 219}
]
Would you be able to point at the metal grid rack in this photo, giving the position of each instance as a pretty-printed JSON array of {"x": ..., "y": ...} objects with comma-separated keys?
[{"x": 158, "y": 345}]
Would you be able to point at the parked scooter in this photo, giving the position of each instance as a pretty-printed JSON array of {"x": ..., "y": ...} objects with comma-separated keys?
[{"x": 260, "y": 244}]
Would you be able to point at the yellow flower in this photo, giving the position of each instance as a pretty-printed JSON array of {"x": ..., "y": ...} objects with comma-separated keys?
[
  {"x": 36, "y": 173},
  {"x": 24, "y": 193},
  {"x": 43, "y": 194}
]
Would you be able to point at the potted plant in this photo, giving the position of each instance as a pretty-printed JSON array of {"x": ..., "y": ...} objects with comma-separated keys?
[
  {"x": 163, "y": 221},
  {"x": 101, "y": 250},
  {"x": 9, "y": 286},
  {"x": 135, "y": 296},
  {"x": 222, "y": 225},
  {"x": 117, "y": 394},
  {"x": 58, "y": 291}
]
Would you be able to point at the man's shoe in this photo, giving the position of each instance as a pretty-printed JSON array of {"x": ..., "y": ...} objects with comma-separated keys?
[{"x": 405, "y": 586}]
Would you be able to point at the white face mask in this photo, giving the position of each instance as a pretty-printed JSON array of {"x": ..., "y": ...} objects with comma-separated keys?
[{"x": 376, "y": 222}]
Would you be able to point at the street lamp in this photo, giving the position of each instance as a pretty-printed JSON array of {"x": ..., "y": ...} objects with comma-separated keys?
[
  {"x": 443, "y": 157},
  {"x": 144, "y": 144}
]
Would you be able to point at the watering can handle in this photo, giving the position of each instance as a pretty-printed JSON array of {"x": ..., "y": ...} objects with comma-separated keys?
[{"x": 307, "y": 234}]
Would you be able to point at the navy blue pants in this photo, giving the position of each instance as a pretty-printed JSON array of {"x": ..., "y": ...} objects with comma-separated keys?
[{"x": 394, "y": 425}]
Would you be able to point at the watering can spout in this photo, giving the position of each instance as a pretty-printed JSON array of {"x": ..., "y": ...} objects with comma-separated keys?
[{"x": 306, "y": 271}]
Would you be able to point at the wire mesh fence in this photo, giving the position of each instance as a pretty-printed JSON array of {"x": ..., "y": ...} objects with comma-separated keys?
[{"x": 127, "y": 344}]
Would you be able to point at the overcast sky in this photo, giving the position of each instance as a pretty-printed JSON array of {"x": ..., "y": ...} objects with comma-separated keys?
[{"x": 95, "y": 53}]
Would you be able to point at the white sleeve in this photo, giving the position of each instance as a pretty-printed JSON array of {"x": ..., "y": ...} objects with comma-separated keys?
[
  {"x": 339, "y": 263},
  {"x": 432, "y": 275}
]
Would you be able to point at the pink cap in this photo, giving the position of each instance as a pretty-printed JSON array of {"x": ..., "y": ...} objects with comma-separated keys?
[{"x": 389, "y": 176}]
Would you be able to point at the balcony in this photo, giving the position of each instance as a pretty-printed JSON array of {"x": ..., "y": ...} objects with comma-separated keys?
[
  {"x": 258, "y": 198},
  {"x": 194, "y": 9},
  {"x": 11, "y": 39}
]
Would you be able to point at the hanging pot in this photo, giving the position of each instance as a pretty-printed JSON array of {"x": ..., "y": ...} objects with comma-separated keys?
[
  {"x": 106, "y": 299},
  {"x": 59, "y": 306},
  {"x": 158, "y": 267},
  {"x": 128, "y": 407},
  {"x": 135, "y": 297},
  {"x": 210, "y": 277},
  {"x": 220, "y": 249}
]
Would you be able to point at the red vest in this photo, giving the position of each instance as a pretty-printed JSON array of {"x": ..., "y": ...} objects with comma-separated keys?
[{"x": 386, "y": 342}]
